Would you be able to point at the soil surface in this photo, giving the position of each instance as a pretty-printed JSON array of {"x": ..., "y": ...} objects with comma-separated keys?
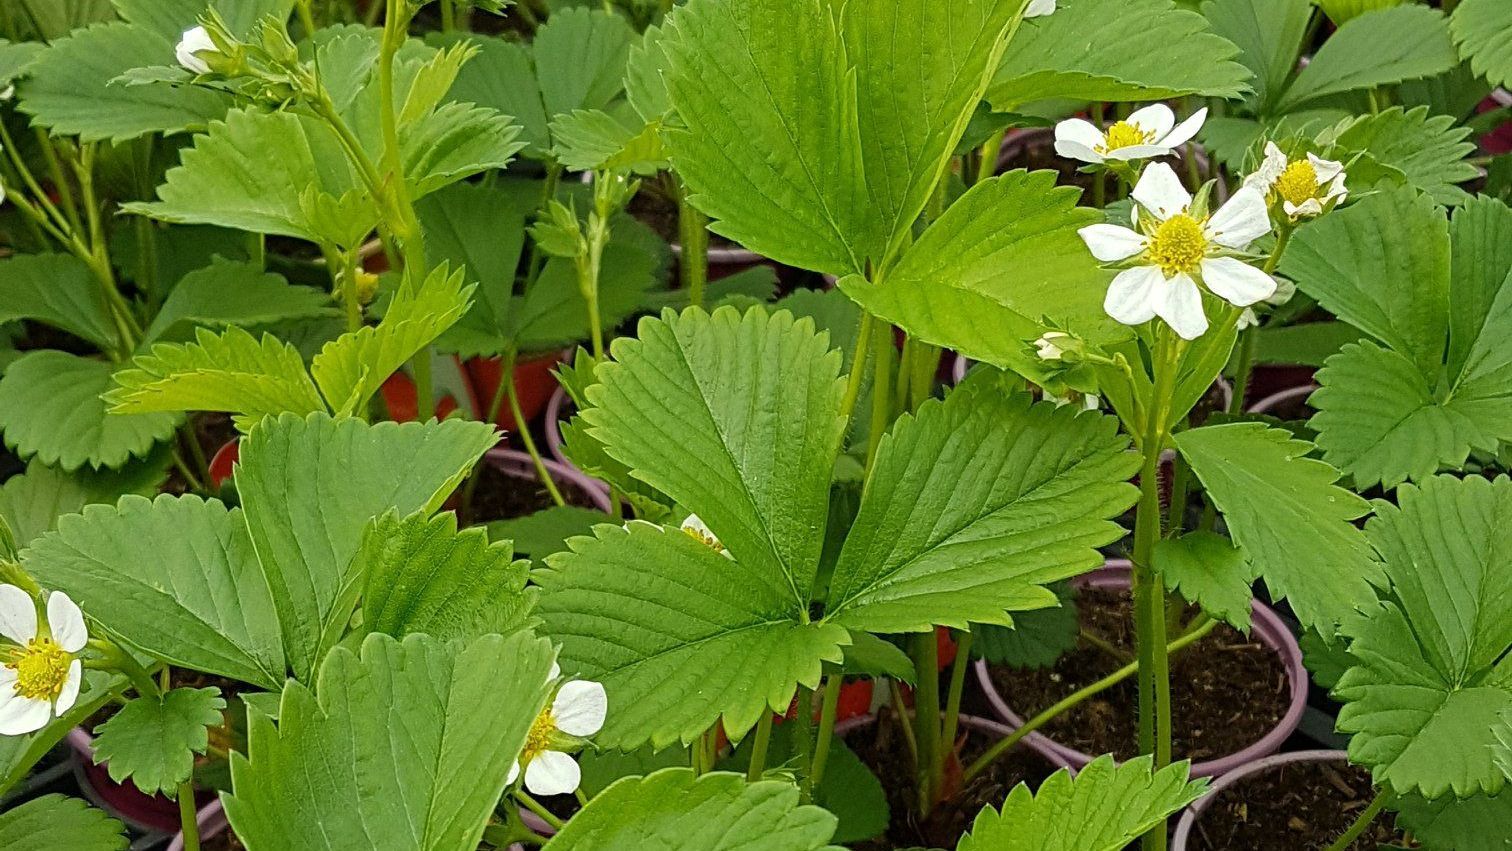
[
  {"x": 504, "y": 497},
  {"x": 883, "y": 749},
  {"x": 658, "y": 212},
  {"x": 225, "y": 841},
  {"x": 1227, "y": 690},
  {"x": 1295, "y": 807}
]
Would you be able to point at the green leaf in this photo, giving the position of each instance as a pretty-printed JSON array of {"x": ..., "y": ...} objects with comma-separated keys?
[
  {"x": 974, "y": 505},
  {"x": 868, "y": 655},
  {"x": 1305, "y": 344},
  {"x": 52, "y": 822},
  {"x": 737, "y": 418},
  {"x": 170, "y": 18},
  {"x": 586, "y": 140},
  {"x": 153, "y": 739},
  {"x": 1103, "y": 808},
  {"x": 1477, "y": 823},
  {"x": 482, "y": 230},
  {"x": 1428, "y": 150},
  {"x": 645, "y": 80},
  {"x": 31, "y": 503},
  {"x": 545, "y": 532},
  {"x": 406, "y": 749},
  {"x": 673, "y": 810},
  {"x": 51, "y": 408},
  {"x": 306, "y": 531},
  {"x": 1269, "y": 36},
  {"x": 1380, "y": 48},
  {"x": 1116, "y": 50},
  {"x": 502, "y": 76},
  {"x": 553, "y": 313},
  {"x": 1036, "y": 639},
  {"x": 1481, "y": 260},
  {"x": 227, "y": 293},
  {"x": 175, "y": 577},
  {"x": 419, "y": 574},
  {"x": 232, "y": 371},
  {"x": 1207, "y": 569},
  {"x": 454, "y": 142},
  {"x": 57, "y": 289},
  {"x": 1422, "y": 701},
  {"x": 678, "y": 634},
  {"x": 1284, "y": 510},
  {"x": 1483, "y": 30},
  {"x": 580, "y": 57}
]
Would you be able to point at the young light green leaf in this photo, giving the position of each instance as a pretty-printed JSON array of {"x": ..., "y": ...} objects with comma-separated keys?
[
  {"x": 175, "y": 577},
  {"x": 974, "y": 505},
  {"x": 1482, "y": 28},
  {"x": 57, "y": 289},
  {"x": 31, "y": 503},
  {"x": 588, "y": 140},
  {"x": 52, "y": 822},
  {"x": 1269, "y": 36},
  {"x": 1294, "y": 524},
  {"x": 674, "y": 810},
  {"x": 228, "y": 293},
  {"x": 153, "y": 739},
  {"x": 1104, "y": 808},
  {"x": 1207, "y": 569},
  {"x": 455, "y": 142},
  {"x": 422, "y": 732},
  {"x": 1428, "y": 151},
  {"x": 1379, "y": 48}
]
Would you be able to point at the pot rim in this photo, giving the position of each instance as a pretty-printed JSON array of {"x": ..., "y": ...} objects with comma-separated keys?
[
  {"x": 1301, "y": 391},
  {"x": 212, "y": 822},
  {"x": 1195, "y": 810},
  {"x": 554, "y": 407},
  {"x": 1265, "y": 625},
  {"x": 513, "y": 462}
]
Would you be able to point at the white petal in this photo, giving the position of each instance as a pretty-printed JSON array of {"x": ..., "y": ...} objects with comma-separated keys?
[
  {"x": 18, "y": 614},
  {"x": 552, "y": 773},
  {"x": 1180, "y": 305},
  {"x": 66, "y": 622},
  {"x": 1138, "y": 152},
  {"x": 192, "y": 42},
  {"x": 1270, "y": 169},
  {"x": 1073, "y": 150},
  {"x": 1247, "y": 319},
  {"x": 1111, "y": 243},
  {"x": 580, "y": 707},
  {"x": 70, "y": 693},
  {"x": 1306, "y": 210},
  {"x": 1185, "y": 131},
  {"x": 1039, "y": 8},
  {"x": 693, "y": 523},
  {"x": 1160, "y": 191},
  {"x": 1337, "y": 191},
  {"x": 514, "y": 773},
  {"x": 1154, "y": 120},
  {"x": 556, "y": 671},
  {"x": 1241, "y": 221},
  {"x": 1325, "y": 169},
  {"x": 1131, "y": 296},
  {"x": 21, "y": 715},
  {"x": 1078, "y": 130},
  {"x": 1236, "y": 281}
]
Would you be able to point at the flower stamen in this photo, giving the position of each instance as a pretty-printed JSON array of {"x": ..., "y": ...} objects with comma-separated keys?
[
  {"x": 538, "y": 739},
  {"x": 705, "y": 538},
  {"x": 1178, "y": 245},
  {"x": 1122, "y": 134},
  {"x": 1298, "y": 183},
  {"x": 41, "y": 669}
]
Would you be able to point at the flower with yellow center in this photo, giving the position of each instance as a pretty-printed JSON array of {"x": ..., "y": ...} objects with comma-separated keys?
[
  {"x": 1178, "y": 248},
  {"x": 577, "y": 711},
  {"x": 41, "y": 675},
  {"x": 1306, "y": 188},
  {"x": 1148, "y": 132}
]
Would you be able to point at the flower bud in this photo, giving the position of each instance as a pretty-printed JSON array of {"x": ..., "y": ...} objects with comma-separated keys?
[{"x": 193, "y": 43}]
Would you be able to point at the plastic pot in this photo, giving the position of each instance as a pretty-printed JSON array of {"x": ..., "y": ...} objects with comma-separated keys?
[
  {"x": 557, "y": 410},
  {"x": 1189, "y": 817},
  {"x": 211, "y": 819},
  {"x": 516, "y": 464},
  {"x": 1275, "y": 400},
  {"x": 1266, "y": 625},
  {"x": 146, "y": 813},
  {"x": 533, "y": 384}
]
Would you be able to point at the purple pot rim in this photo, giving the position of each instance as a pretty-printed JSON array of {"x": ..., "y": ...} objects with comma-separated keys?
[
  {"x": 1265, "y": 625},
  {"x": 554, "y": 407},
  {"x": 212, "y": 822},
  {"x": 516, "y": 463},
  {"x": 725, "y": 256},
  {"x": 1195, "y": 810},
  {"x": 1300, "y": 391}
]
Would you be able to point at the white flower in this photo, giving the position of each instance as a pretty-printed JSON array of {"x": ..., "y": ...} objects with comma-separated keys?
[
  {"x": 1047, "y": 346},
  {"x": 1307, "y": 187},
  {"x": 42, "y": 675},
  {"x": 193, "y": 43},
  {"x": 700, "y": 532},
  {"x": 1176, "y": 250},
  {"x": 576, "y": 712},
  {"x": 1039, "y": 8},
  {"x": 1148, "y": 132}
]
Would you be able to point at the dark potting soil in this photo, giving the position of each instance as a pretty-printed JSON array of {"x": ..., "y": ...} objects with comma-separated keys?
[
  {"x": 659, "y": 212},
  {"x": 1293, "y": 807},
  {"x": 505, "y": 497},
  {"x": 883, "y": 749},
  {"x": 1227, "y": 690}
]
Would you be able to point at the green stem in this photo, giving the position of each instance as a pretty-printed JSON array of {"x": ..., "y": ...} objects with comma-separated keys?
[
  {"x": 805, "y": 743},
  {"x": 992, "y": 149},
  {"x": 1357, "y": 829},
  {"x": 826, "y": 734},
  {"x": 196, "y": 452},
  {"x": 883, "y": 354},
  {"x": 448, "y": 16},
  {"x": 759, "y": 747},
  {"x": 188, "y": 822},
  {"x": 858, "y": 367},
  {"x": 535, "y": 806},
  {"x": 903, "y": 721},
  {"x": 957, "y": 688},
  {"x": 1249, "y": 338},
  {"x": 523, "y": 430},
  {"x": 306, "y": 19},
  {"x": 693, "y": 230},
  {"x": 491, "y": 416},
  {"x": 927, "y": 719}
]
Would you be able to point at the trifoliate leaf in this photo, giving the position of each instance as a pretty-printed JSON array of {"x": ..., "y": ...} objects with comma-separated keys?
[
  {"x": 153, "y": 738},
  {"x": 1428, "y": 151},
  {"x": 1104, "y": 808},
  {"x": 57, "y": 289},
  {"x": 226, "y": 293},
  {"x": 1483, "y": 30},
  {"x": 51, "y": 408},
  {"x": 1294, "y": 524},
  {"x": 1379, "y": 48},
  {"x": 1268, "y": 34},
  {"x": 175, "y": 577},
  {"x": 674, "y": 810},
  {"x": 52, "y": 822},
  {"x": 31, "y": 503},
  {"x": 957, "y": 525},
  {"x": 1423, "y": 699},
  {"x": 1207, "y": 569},
  {"x": 422, "y": 732}
]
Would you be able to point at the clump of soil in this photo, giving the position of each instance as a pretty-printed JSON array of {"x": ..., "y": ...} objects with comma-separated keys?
[
  {"x": 1295, "y": 806},
  {"x": 882, "y": 748},
  {"x": 1227, "y": 690}
]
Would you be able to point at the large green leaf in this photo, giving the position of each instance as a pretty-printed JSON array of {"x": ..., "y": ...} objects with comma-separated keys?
[
  {"x": 678, "y": 634},
  {"x": 580, "y": 57},
  {"x": 57, "y": 289},
  {"x": 1379, "y": 48},
  {"x": 480, "y": 229},
  {"x": 502, "y": 76},
  {"x": 310, "y": 486},
  {"x": 675, "y": 810},
  {"x": 1483, "y": 29},
  {"x": 175, "y": 577},
  {"x": 1477, "y": 823},
  {"x": 1294, "y": 524},
  {"x": 51, "y": 408},
  {"x": 1423, "y": 698},
  {"x": 52, "y": 822},
  {"x": 1103, "y": 808},
  {"x": 1428, "y": 151},
  {"x": 31, "y": 503},
  {"x": 1481, "y": 252},
  {"x": 406, "y": 749},
  {"x": 1116, "y": 50},
  {"x": 153, "y": 738},
  {"x": 454, "y": 142},
  {"x": 974, "y": 505},
  {"x": 1268, "y": 34},
  {"x": 227, "y": 293}
]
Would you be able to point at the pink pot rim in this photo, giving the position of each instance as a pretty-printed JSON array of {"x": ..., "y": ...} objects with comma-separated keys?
[
  {"x": 1265, "y": 405},
  {"x": 212, "y": 822},
  {"x": 1194, "y": 811},
  {"x": 513, "y": 462},
  {"x": 1265, "y": 625},
  {"x": 554, "y": 408}
]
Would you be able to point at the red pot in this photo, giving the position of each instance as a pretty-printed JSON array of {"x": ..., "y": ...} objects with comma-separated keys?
[
  {"x": 224, "y": 462},
  {"x": 533, "y": 383},
  {"x": 402, "y": 400},
  {"x": 125, "y": 801}
]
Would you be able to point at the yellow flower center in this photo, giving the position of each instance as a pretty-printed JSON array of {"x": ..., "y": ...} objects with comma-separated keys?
[
  {"x": 1178, "y": 245},
  {"x": 1298, "y": 183},
  {"x": 538, "y": 740},
  {"x": 41, "y": 668},
  {"x": 1123, "y": 135},
  {"x": 705, "y": 538}
]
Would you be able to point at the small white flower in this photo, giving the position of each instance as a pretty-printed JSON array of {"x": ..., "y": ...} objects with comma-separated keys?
[
  {"x": 1039, "y": 8},
  {"x": 1047, "y": 346},
  {"x": 1148, "y": 132},
  {"x": 42, "y": 674},
  {"x": 699, "y": 531},
  {"x": 1176, "y": 250},
  {"x": 1306, "y": 188},
  {"x": 576, "y": 712},
  {"x": 193, "y": 43}
]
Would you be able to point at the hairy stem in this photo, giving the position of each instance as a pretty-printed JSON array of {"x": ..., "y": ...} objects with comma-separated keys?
[
  {"x": 957, "y": 688},
  {"x": 692, "y": 226},
  {"x": 927, "y": 719},
  {"x": 188, "y": 818},
  {"x": 1357, "y": 829}
]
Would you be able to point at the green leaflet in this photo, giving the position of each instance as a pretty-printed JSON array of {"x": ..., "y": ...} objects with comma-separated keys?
[
  {"x": 1426, "y": 151},
  {"x": 52, "y": 822},
  {"x": 1207, "y": 569},
  {"x": 1481, "y": 28},
  {"x": 153, "y": 740},
  {"x": 1378, "y": 48},
  {"x": 227, "y": 293},
  {"x": 57, "y": 289},
  {"x": 31, "y": 503},
  {"x": 1269, "y": 36}
]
